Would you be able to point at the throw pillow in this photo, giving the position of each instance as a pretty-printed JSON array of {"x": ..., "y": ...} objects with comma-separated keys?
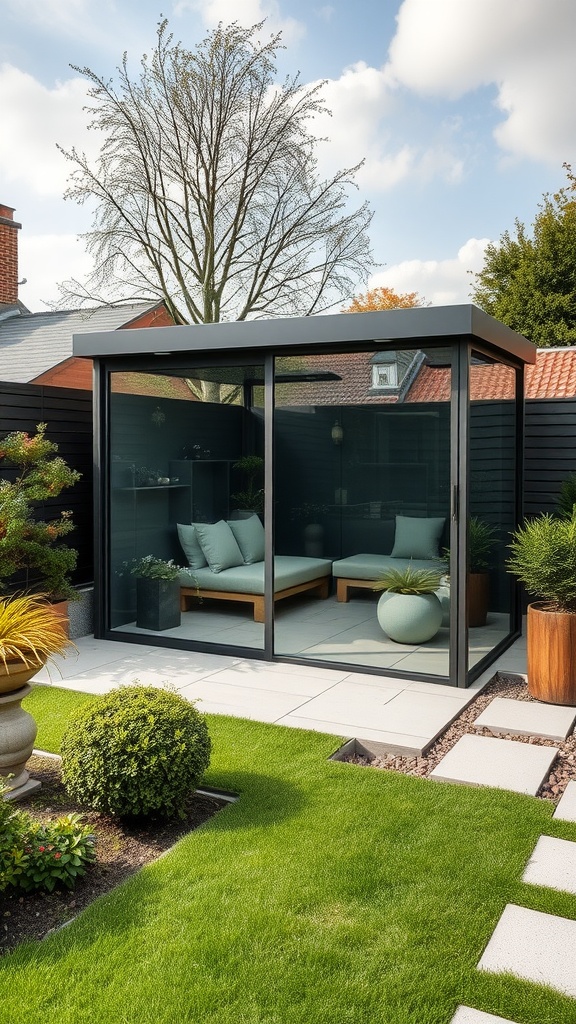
[
  {"x": 219, "y": 545},
  {"x": 417, "y": 538},
  {"x": 249, "y": 534},
  {"x": 190, "y": 546}
]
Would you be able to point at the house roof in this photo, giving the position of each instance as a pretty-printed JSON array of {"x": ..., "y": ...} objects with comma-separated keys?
[
  {"x": 32, "y": 343},
  {"x": 553, "y": 375}
]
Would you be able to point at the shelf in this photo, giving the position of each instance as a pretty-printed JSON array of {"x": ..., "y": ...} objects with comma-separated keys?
[{"x": 154, "y": 487}]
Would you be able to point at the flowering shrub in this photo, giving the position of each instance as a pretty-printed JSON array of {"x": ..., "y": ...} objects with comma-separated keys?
[
  {"x": 28, "y": 544},
  {"x": 35, "y": 857}
]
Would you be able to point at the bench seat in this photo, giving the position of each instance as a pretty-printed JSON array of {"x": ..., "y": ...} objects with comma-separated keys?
[{"x": 361, "y": 571}]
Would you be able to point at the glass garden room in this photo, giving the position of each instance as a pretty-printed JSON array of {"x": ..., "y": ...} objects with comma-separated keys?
[{"x": 285, "y": 464}]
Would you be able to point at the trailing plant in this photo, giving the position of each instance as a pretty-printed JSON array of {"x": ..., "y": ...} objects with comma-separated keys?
[
  {"x": 137, "y": 751},
  {"x": 544, "y": 559},
  {"x": 151, "y": 568},
  {"x": 36, "y": 856},
  {"x": 253, "y": 496},
  {"x": 30, "y": 630},
  {"x": 28, "y": 544},
  {"x": 409, "y": 581}
]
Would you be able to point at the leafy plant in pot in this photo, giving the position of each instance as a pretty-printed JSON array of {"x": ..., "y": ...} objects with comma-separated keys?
[
  {"x": 482, "y": 540},
  {"x": 31, "y": 633},
  {"x": 543, "y": 557},
  {"x": 157, "y": 592},
  {"x": 251, "y": 499},
  {"x": 409, "y": 610}
]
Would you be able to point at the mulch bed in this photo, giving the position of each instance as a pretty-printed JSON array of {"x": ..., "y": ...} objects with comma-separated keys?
[
  {"x": 121, "y": 849},
  {"x": 513, "y": 687}
]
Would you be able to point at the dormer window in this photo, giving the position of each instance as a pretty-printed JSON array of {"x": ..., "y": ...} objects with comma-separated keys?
[{"x": 385, "y": 375}]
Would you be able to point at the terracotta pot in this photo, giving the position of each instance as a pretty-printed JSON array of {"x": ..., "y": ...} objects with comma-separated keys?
[
  {"x": 551, "y": 654},
  {"x": 478, "y": 598},
  {"x": 60, "y": 608}
]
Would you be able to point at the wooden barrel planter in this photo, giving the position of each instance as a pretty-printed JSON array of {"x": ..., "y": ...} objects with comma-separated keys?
[{"x": 551, "y": 654}]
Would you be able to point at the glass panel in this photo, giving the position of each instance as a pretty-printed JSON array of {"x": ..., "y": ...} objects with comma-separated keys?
[
  {"x": 187, "y": 448},
  {"x": 492, "y": 503},
  {"x": 362, "y": 484}
]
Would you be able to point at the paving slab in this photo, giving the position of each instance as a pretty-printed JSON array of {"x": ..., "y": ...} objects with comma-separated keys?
[
  {"x": 467, "y": 1015},
  {"x": 553, "y": 864},
  {"x": 527, "y": 718},
  {"x": 566, "y": 809},
  {"x": 504, "y": 764},
  {"x": 533, "y": 946}
]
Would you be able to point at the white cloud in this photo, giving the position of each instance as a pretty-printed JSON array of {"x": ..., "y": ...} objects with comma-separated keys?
[
  {"x": 34, "y": 119},
  {"x": 524, "y": 49},
  {"x": 364, "y": 125},
  {"x": 247, "y": 13},
  {"x": 46, "y": 261},
  {"x": 441, "y": 282}
]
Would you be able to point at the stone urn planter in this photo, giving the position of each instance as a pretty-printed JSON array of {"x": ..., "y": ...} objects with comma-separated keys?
[
  {"x": 409, "y": 610},
  {"x": 410, "y": 618}
]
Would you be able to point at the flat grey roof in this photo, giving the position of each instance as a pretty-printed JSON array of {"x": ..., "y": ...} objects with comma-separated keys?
[{"x": 395, "y": 325}]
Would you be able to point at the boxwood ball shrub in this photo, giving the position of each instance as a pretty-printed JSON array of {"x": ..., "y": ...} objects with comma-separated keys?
[{"x": 135, "y": 752}]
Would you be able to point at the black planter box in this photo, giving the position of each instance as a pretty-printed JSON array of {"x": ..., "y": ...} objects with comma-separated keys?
[{"x": 157, "y": 604}]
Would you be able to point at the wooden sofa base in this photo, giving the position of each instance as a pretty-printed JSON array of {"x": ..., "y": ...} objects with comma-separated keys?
[
  {"x": 322, "y": 585},
  {"x": 343, "y": 585}
]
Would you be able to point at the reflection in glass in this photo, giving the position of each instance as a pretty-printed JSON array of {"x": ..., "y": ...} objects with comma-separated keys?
[
  {"x": 186, "y": 456},
  {"x": 362, "y": 483},
  {"x": 492, "y": 479}
]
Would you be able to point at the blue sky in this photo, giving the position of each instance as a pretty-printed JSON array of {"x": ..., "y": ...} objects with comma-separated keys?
[{"x": 463, "y": 110}]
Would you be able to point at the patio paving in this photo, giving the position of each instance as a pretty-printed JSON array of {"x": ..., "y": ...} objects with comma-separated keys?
[
  {"x": 527, "y": 718},
  {"x": 467, "y": 1015},
  {"x": 534, "y": 946},
  {"x": 401, "y": 715},
  {"x": 503, "y": 764},
  {"x": 552, "y": 864},
  {"x": 566, "y": 809}
]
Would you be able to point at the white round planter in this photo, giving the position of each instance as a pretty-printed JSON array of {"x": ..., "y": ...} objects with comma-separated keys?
[{"x": 410, "y": 618}]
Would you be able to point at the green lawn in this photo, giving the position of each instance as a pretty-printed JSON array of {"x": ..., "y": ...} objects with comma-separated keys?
[{"x": 328, "y": 894}]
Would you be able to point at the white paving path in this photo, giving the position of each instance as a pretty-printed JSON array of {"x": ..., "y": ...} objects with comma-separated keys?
[
  {"x": 534, "y": 946},
  {"x": 467, "y": 1015},
  {"x": 503, "y": 764},
  {"x": 566, "y": 809},
  {"x": 553, "y": 864},
  {"x": 527, "y": 718}
]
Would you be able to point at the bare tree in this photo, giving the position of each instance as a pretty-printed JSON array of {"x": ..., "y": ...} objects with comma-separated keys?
[{"x": 206, "y": 189}]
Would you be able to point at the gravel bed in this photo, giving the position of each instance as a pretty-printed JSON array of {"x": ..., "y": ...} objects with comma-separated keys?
[{"x": 513, "y": 687}]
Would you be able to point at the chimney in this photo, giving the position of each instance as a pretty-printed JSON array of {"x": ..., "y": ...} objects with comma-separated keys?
[{"x": 8, "y": 256}]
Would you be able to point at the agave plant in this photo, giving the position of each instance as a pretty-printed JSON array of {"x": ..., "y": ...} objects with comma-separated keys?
[
  {"x": 409, "y": 581},
  {"x": 30, "y": 630}
]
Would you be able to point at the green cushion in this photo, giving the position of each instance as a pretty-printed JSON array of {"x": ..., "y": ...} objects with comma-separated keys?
[
  {"x": 219, "y": 545},
  {"x": 289, "y": 571},
  {"x": 249, "y": 534},
  {"x": 417, "y": 538},
  {"x": 190, "y": 546}
]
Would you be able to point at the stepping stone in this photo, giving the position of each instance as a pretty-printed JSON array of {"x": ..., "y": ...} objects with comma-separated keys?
[
  {"x": 466, "y": 1015},
  {"x": 566, "y": 809},
  {"x": 553, "y": 864},
  {"x": 504, "y": 764},
  {"x": 527, "y": 718},
  {"x": 535, "y": 947}
]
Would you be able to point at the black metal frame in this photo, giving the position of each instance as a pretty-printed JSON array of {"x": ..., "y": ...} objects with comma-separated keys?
[{"x": 461, "y": 349}]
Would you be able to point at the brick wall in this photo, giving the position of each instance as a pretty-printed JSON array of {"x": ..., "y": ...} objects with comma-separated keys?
[{"x": 8, "y": 255}]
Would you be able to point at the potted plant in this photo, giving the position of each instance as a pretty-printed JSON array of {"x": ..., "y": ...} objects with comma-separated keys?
[
  {"x": 409, "y": 610},
  {"x": 543, "y": 557},
  {"x": 31, "y": 632},
  {"x": 482, "y": 539},
  {"x": 31, "y": 552},
  {"x": 251, "y": 499},
  {"x": 157, "y": 592}
]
